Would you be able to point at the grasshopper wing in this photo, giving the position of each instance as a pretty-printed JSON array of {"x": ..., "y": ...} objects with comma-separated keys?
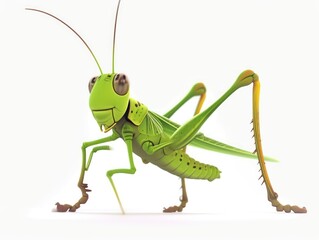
[{"x": 201, "y": 141}]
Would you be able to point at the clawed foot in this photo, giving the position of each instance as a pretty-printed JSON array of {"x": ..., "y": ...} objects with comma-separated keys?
[
  {"x": 63, "y": 208},
  {"x": 83, "y": 200},
  {"x": 179, "y": 208},
  {"x": 173, "y": 209},
  {"x": 287, "y": 208},
  {"x": 183, "y": 199}
]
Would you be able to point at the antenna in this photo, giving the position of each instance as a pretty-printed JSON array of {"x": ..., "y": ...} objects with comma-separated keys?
[
  {"x": 36, "y": 10},
  {"x": 114, "y": 34}
]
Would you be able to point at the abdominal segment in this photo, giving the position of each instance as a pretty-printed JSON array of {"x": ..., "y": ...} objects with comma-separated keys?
[{"x": 182, "y": 165}]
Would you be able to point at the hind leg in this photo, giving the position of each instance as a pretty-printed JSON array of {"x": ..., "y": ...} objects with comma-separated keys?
[
  {"x": 272, "y": 195},
  {"x": 197, "y": 90},
  {"x": 183, "y": 200}
]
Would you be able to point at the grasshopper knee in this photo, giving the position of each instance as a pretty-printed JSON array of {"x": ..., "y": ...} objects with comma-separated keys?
[
  {"x": 245, "y": 78},
  {"x": 110, "y": 173}
]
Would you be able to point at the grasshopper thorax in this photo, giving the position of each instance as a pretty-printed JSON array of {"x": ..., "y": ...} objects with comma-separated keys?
[{"x": 109, "y": 99}]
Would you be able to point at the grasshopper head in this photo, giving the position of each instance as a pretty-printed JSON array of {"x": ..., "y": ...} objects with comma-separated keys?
[
  {"x": 109, "y": 92},
  {"x": 109, "y": 99}
]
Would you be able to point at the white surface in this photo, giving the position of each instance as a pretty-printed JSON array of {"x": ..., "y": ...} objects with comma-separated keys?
[
  {"x": 164, "y": 47},
  {"x": 103, "y": 225}
]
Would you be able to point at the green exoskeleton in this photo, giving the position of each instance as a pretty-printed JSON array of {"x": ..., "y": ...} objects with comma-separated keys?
[{"x": 158, "y": 140}]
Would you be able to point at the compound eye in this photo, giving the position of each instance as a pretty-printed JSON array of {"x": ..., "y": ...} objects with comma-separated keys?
[
  {"x": 121, "y": 84},
  {"x": 91, "y": 83}
]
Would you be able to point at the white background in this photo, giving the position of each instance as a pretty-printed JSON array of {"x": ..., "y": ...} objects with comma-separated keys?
[{"x": 164, "y": 47}]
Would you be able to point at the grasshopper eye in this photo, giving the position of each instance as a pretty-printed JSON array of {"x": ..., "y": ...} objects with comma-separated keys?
[
  {"x": 91, "y": 83},
  {"x": 121, "y": 84}
]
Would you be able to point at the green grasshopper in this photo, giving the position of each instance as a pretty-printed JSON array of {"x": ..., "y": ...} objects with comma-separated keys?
[{"x": 158, "y": 140}]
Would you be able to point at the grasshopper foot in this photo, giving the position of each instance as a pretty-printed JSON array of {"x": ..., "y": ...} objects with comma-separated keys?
[
  {"x": 62, "y": 208},
  {"x": 287, "y": 208},
  {"x": 82, "y": 200},
  {"x": 70, "y": 208},
  {"x": 173, "y": 209},
  {"x": 183, "y": 199}
]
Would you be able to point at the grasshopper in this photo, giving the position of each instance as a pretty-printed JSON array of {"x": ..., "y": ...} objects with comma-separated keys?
[{"x": 158, "y": 140}]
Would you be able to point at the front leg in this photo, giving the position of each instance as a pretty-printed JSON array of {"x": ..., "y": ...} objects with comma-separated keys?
[
  {"x": 127, "y": 133},
  {"x": 85, "y": 166}
]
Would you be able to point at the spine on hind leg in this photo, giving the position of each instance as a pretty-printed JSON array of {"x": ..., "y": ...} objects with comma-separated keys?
[{"x": 182, "y": 165}]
